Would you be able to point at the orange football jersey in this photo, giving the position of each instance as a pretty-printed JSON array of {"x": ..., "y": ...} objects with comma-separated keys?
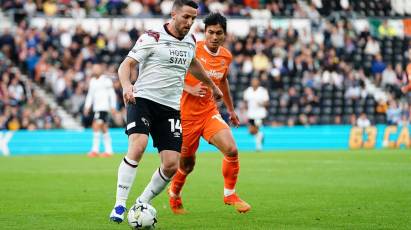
[{"x": 216, "y": 66}]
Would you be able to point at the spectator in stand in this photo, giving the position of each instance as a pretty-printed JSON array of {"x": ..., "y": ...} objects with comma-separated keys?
[
  {"x": 393, "y": 113},
  {"x": 362, "y": 121},
  {"x": 385, "y": 30},
  {"x": 377, "y": 66},
  {"x": 372, "y": 47}
]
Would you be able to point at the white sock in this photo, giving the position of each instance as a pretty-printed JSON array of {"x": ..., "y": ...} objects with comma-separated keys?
[
  {"x": 259, "y": 140},
  {"x": 107, "y": 143},
  {"x": 96, "y": 142},
  {"x": 157, "y": 184},
  {"x": 126, "y": 174},
  {"x": 228, "y": 192}
]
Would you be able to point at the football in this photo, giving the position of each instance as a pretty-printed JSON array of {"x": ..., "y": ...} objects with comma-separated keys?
[{"x": 142, "y": 216}]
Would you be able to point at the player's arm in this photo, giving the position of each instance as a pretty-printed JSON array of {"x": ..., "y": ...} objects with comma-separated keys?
[
  {"x": 198, "y": 90},
  {"x": 141, "y": 50},
  {"x": 124, "y": 72},
  {"x": 89, "y": 99},
  {"x": 225, "y": 89},
  {"x": 198, "y": 72},
  {"x": 112, "y": 98}
]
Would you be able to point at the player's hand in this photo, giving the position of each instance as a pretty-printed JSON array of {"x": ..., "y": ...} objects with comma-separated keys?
[
  {"x": 86, "y": 111},
  {"x": 128, "y": 95},
  {"x": 234, "y": 119},
  {"x": 217, "y": 93},
  {"x": 199, "y": 90}
]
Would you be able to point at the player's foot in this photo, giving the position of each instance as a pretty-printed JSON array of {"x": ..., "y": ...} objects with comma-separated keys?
[
  {"x": 176, "y": 204},
  {"x": 239, "y": 204},
  {"x": 105, "y": 155},
  {"x": 117, "y": 214},
  {"x": 92, "y": 154}
]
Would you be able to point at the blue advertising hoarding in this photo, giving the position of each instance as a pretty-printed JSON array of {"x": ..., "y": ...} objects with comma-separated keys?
[{"x": 330, "y": 137}]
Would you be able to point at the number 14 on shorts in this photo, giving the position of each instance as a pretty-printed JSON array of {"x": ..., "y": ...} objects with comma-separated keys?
[{"x": 174, "y": 124}]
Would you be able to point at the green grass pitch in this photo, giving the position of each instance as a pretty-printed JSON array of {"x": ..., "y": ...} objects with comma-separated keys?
[{"x": 287, "y": 190}]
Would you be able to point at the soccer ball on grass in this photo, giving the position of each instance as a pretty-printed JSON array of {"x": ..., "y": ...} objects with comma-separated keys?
[{"x": 142, "y": 216}]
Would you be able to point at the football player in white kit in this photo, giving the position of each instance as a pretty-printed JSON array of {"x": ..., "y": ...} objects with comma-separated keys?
[
  {"x": 101, "y": 98},
  {"x": 153, "y": 103},
  {"x": 257, "y": 100}
]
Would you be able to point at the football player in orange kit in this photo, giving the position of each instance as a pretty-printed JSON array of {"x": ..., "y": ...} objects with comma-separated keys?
[{"x": 200, "y": 116}]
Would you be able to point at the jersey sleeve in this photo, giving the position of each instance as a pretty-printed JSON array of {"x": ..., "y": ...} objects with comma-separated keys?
[{"x": 143, "y": 48}]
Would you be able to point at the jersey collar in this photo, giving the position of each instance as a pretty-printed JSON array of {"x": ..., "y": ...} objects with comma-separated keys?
[
  {"x": 169, "y": 33},
  {"x": 209, "y": 51}
]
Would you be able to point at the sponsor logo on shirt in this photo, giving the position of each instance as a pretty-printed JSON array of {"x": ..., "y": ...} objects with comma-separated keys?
[
  {"x": 178, "y": 57},
  {"x": 214, "y": 74}
]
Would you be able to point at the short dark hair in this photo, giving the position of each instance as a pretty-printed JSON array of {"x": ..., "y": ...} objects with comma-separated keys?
[
  {"x": 216, "y": 19},
  {"x": 180, "y": 3}
]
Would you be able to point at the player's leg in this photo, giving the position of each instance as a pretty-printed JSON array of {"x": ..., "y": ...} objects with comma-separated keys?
[
  {"x": 167, "y": 137},
  {"x": 186, "y": 166},
  {"x": 192, "y": 132},
  {"x": 161, "y": 176},
  {"x": 108, "y": 148},
  {"x": 253, "y": 129},
  {"x": 259, "y": 136},
  {"x": 191, "y": 138},
  {"x": 218, "y": 133},
  {"x": 96, "y": 126},
  {"x": 137, "y": 132}
]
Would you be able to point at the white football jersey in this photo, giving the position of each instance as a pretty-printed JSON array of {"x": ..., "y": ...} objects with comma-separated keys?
[
  {"x": 163, "y": 64},
  {"x": 255, "y": 102},
  {"x": 101, "y": 94}
]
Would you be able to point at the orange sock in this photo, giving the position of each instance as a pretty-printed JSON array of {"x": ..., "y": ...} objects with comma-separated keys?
[
  {"x": 178, "y": 182},
  {"x": 231, "y": 166}
]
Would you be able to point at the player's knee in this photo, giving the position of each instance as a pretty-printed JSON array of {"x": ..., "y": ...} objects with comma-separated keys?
[
  {"x": 187, "y": 164},
  {"x": 136, "y": 152},
  {"x": 253, "y": 130},
  {"x": 188, "y": 168},
  {"x": 170, "y": 169},
  {"x": 231, "y": 150}
]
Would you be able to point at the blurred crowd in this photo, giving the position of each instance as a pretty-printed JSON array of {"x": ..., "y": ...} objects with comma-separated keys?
[
  {"x": 20, "y": 106},
  {"x": 243, "y": 8},
  {"x": 330, "y": 75},
  {"x": 61, "y": 61}
]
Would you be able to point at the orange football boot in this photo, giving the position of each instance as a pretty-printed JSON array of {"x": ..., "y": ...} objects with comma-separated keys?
[
  {"x": 92, "y": 154},
  {"x": 239, "y": 204},
  {"x": 106, "y": 155},
  {"x": 176, "y": 204}
]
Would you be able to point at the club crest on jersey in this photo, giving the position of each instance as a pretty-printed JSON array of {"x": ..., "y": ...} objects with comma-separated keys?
[
  {"x": 145, "y": 121},
  {"x": 222, "y": 63}
]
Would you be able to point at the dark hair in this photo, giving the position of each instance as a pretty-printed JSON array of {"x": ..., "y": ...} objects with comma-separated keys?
[
  {"x": 180, "y": 3},
  {"x": 216, "y": 19}
]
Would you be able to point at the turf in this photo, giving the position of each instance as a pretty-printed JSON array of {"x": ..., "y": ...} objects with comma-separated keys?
[{"x": 287, "y": 190}]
